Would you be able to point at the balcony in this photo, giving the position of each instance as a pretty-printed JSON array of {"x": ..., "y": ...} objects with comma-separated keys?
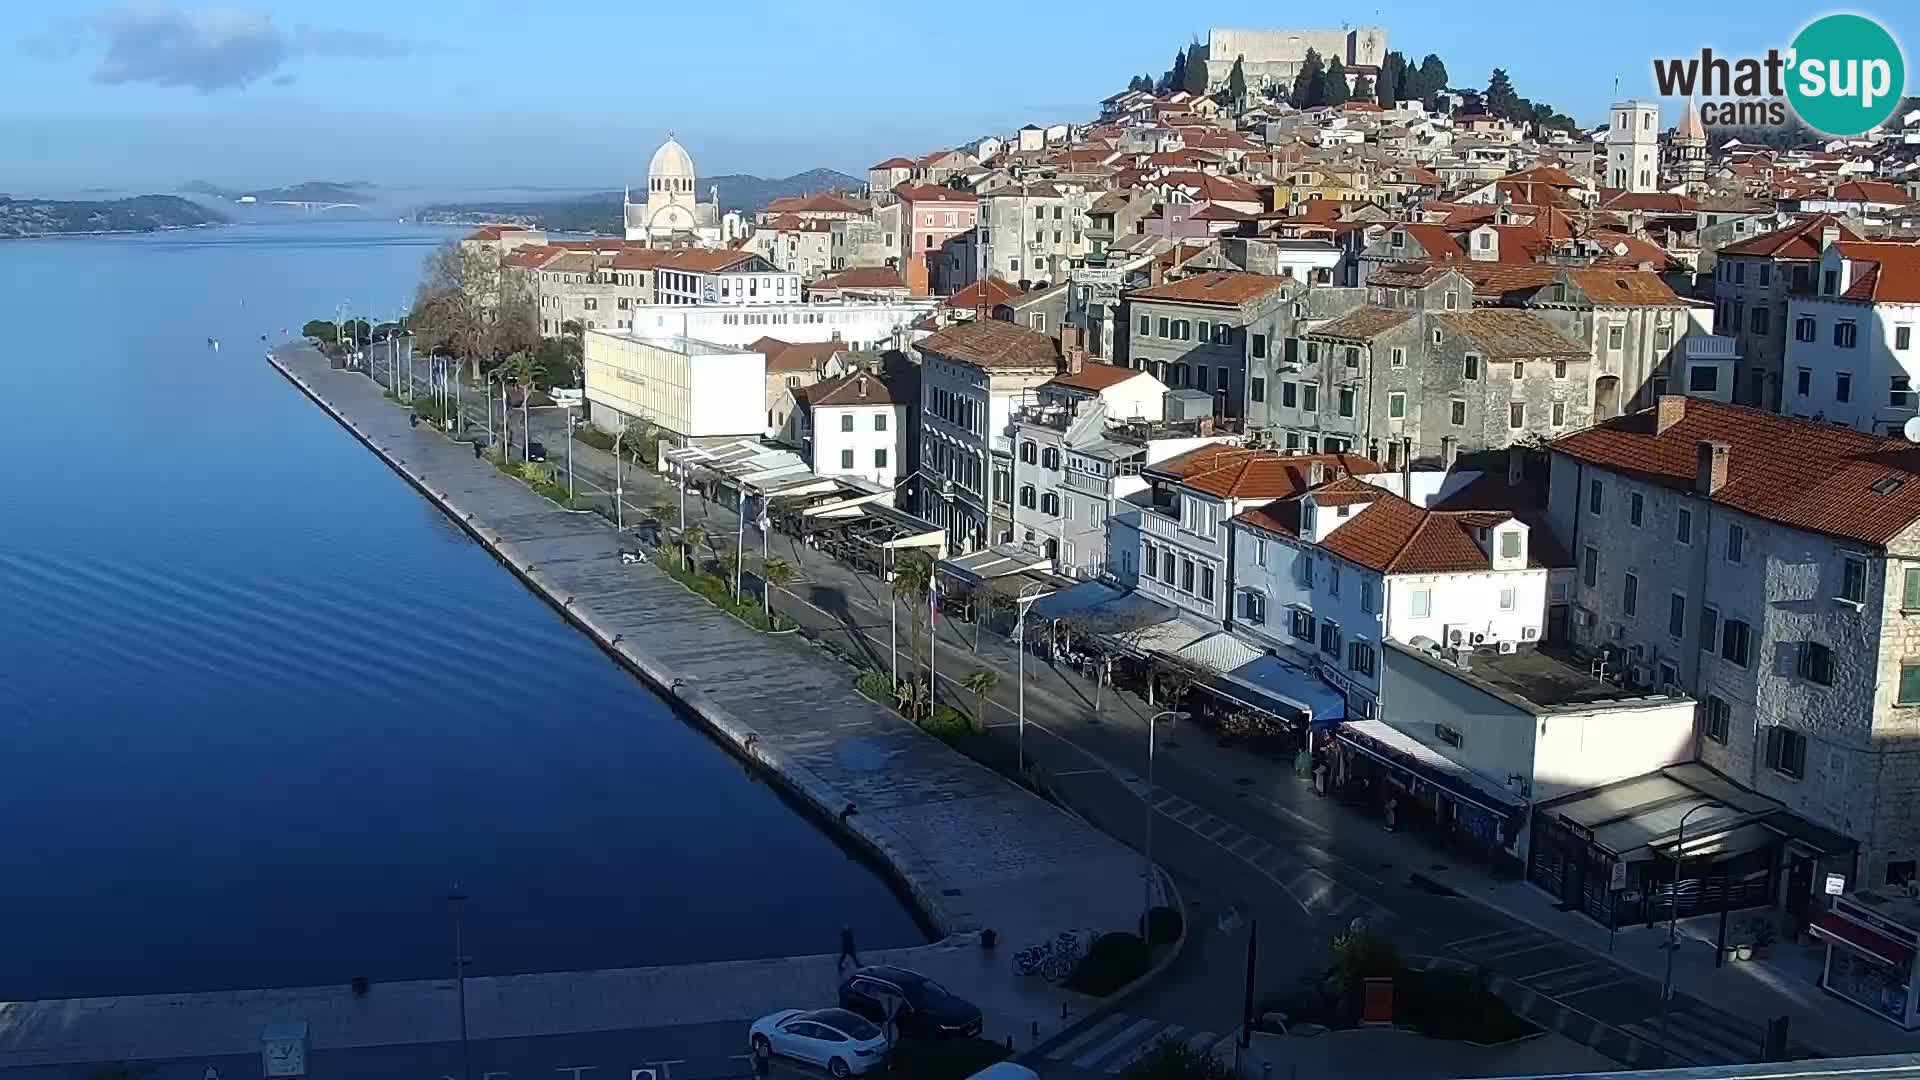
[
  {"x": 1087, "y": 483},
  {"x": 1055, "y": 417},
  {"x": 1157, "y": 523}
]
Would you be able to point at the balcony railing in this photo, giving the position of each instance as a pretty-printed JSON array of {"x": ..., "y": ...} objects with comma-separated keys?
[
  {"x": 1056, "y": 417},
  {"x": 1156, "y": 523},
  {"x": 1099, "y": 486}
]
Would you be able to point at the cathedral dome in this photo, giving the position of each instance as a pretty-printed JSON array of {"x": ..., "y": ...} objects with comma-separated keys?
[{"x": 671, "y": 162}]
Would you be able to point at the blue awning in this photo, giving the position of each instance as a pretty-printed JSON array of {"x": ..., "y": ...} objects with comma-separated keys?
[
  {"x": 1075, "y": 600},
  {"x": 1272, "y": 685}
]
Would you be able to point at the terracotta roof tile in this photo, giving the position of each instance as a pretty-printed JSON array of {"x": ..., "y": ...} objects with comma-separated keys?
[
  {"x": 1799, "y": 473},
  {"x": 1884, "y": 273},
  {"x": 993, "y": 291},
  {"x": 1214, "y": 287},
  {"x": 791, "y": 356},
  {"x": 1506, "y": 334},
  {"x": 1096, "y": 377},
  {"x": 1801, "y": 240},
  {"x": 1363, "y": 323},
  {"x": 933, "y": 193},
  {"x": 861, "y": 277},
  {"x": 1257, "y": 474},
  {"x": 990, "y": 344},
  {"x": 1627, "y": 287},
  {"x": 854, "y": 388}
]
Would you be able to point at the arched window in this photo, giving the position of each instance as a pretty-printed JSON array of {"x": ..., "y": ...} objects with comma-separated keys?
[
  {"x": 1026, "y": 496},
  {"x": 1050, "y": 503},
  {"x": 1050, "y": 458},
  {"x": 1027, "y": 452}
]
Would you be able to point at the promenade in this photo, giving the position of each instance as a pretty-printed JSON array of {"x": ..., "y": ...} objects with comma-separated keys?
[{"x": 974, "y": 851}]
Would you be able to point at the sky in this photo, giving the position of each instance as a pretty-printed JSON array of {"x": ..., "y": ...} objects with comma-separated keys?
[{"x": 147, "y": 94}]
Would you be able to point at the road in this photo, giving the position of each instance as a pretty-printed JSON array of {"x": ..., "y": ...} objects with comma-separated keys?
[{"x": 1240, "y": 834}]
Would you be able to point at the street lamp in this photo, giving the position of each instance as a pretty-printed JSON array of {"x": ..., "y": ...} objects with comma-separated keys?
[
  {"x": 1020, "y": 608},
  {"x": 1171, "y": 714},
  {"x": 458, "y": 898},
  {"x": 1673, "y": 919},
  {"x": 569, "y": 453}
]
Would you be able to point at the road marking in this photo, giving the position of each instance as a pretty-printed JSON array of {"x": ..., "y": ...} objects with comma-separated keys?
[
  {"x": 1085, "y": 1037},
  {"x": 1133, "y": 1031},
  {"x": 1121, "y": 1061}
]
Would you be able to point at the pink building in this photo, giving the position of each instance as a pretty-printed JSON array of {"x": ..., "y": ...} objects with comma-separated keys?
[{"x": 929, "y": 217}]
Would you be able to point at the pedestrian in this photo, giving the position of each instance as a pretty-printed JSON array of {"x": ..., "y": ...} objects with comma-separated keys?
[{"x": 846, "y": 950}]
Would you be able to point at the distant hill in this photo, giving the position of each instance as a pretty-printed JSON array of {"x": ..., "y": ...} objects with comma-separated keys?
[
  {"x": 310, "y": 191},
  {"x": 142, "y": 213},
  {"x": 600, "y": 211}
]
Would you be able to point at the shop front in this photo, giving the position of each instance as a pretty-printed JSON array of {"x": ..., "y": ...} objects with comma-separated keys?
[
  {"x": 1871, "y": 939},
  {"x": 1411, "y": 786}
]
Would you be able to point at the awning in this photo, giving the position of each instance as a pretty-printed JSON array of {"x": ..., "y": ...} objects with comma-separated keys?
[
  {"x": 997, "y": 561},
  {"x": 1273, "y": 685},
  {"x": 1219, "y": 653},
  {"x": 1838, "y": 928},
  {"x": 1398, "y": 750},
  {"x": 1164, "y": 637},
  {"x": 1080, "y": 598}
]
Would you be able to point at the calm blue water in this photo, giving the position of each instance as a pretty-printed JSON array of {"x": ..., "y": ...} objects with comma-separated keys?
[{"x": 261, "y": 705}]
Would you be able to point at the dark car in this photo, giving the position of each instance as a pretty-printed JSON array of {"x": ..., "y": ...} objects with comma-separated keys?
[
  {"x": 927, "y": 1010},
  {"x": 536, "y": 451}
]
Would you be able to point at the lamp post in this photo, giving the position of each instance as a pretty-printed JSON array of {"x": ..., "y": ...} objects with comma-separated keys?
[
  {"x": 458, "y": 898},
  {"x": 1152, "y": 721},
  {"x": 569, "y": 453},
  {"x": 1673, "y": 920},
  {"x": 1020, "y": 626},
  {"x": 619, "y": 499}
]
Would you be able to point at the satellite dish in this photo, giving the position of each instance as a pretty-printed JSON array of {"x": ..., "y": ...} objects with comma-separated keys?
[{"x": 1912, "y": 430}]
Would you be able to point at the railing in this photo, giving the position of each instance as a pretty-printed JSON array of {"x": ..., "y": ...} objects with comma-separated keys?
[
  {"x": 1056, "y": 417},
  {"x": 1155, "y": 523},
  {"x": 1087, "y": 482}
]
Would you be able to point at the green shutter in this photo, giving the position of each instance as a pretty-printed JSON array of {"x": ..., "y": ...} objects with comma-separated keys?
[
  {"x": 1910, "y": 595},
  {"x": 1910, "y": 684}
]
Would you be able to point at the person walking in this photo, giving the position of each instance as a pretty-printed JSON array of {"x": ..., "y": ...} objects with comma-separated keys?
[{"x": 846, "y": 950}]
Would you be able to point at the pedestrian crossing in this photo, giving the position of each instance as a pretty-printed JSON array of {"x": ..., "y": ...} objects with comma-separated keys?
[
  {"x": 1117, "y": 1040},
  {"x": 1316, "y": 892},
  {"x": 1693, "y": 1039}
]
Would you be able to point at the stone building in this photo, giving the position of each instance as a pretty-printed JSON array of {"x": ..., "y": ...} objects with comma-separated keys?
[
  {"x": 1770, "y": 567},
  {"x": 1192, "y": 333},
  {"x": 1751, "y": 283},
  {"x": 1275, "y": 56}
]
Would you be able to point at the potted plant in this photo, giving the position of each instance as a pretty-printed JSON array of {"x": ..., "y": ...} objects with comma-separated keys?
[{"x": 1763, "y": 936}]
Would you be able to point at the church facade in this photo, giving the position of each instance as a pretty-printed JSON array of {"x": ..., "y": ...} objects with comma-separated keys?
[{"x": 672, "y": 214}]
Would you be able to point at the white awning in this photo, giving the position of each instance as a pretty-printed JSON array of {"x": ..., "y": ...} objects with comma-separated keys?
[{"x": 1220, "y": 653}]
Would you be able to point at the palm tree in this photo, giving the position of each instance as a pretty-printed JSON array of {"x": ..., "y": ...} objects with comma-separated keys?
[
  {"x": 912, "y": 577},
  {"x": 730, "y": 565},
  {"x": 691, "y": 538},
  {"x": 912, "y": 694},
  {"x": 774, "y": 573},
  {"x": 980, "y": 684},
  {"x": 523, "y": 369}
]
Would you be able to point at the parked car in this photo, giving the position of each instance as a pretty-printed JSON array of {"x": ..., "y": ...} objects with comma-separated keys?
[
  {"x": 536, "y": 451},
  {"x": 927, "y": 1010},
  {"x": 846, "y": 1044}
]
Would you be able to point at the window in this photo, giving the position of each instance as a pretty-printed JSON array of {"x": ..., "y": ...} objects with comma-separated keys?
[
  {"x": 1333, "y": 577},
  {"x": 1203, "y": 329},
  {"x": 1472, "y": 366},
  {"x": 1804, "y": 328},
  {"x": 1842, "y": 386},
  {"x": 1519, "y": 369},
  {"x": 1360, "y": 658},
  {"x": 1050, "y": 457},
  {"x": 1760, "y": 314},
  {"x": 1037, "y": 319},
  {"x": 1677, "y": 616},
  {"x": 1716, "y": 718},
  {"x": 1166, "y": 567},
  {"x": 1636, "y": 509},
  {"x": 1803, "y": 382},
  {"x": 1346, "y": 401},
  {"x": 1815, "y": 663},
  {"x": 1739, "y": 273},
  {"x": 1257, "y": 388},
  {"x": 1703, "y": 379},
  {"x": 1559, "y": 414},
  {"x": 1845, "y": 332},
  {"x": 1616, "y": 337},
  {"x": 1146, "y": 326},
  {"x": 1901, "y": 872},
  {"x": 1709, "y": 629},
  {"x": 1027, "y": 496},
  {"x": 1590, "y": 567},
  {"x": 1853, "y": 579},
  {"x": 1397, "y": 405},
  {"x": 1398, "y": 357},
  {"x": 1900, "y": 392},
  {"x": 1288, "y": 398},
  {"x": 1910, "y": 589},
  {"x": 1630, "y": 594},
  {"x": 1200, "y": 377},
  {"x": 1909, "y": 683},
  {"x": 1787, "y": 751},
  {"x": 1259, "y": 346},
  {"x": 1310, "y": 397},
  {"x": 1736, "y": 543},
  {"x": 1509, "y": 598},
  {"x": 1029, "y": 454},
  {"x": 1596, "y": 497},
  {"x": 1516, "y": 414},
  {"x": 879, "y": 421},
  {"x": 1353, "y": 357},
  {"x": 1206, "y": 583},
  {"x": 1458, "y": 412},
  {"x": 1902, "y": 337},
  {"x": 1302, "y": 624},
  {"x": 1163, "y": 328},
  {"x": 1253, "y": 607},
  {"x": 1050, "y": 504},
  {"x": 846, "y": 459},
  {"x": 1186, "y": 575},
  {"x": 846, "y": 421},
  {"x": 1330, "y": 638},
  {"x": 1367, "y": 598},
  {"x": 1736, "y": 642}
]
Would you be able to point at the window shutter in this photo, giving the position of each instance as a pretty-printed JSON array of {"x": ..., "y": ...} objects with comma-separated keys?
[{"x": 1773, "y": 748}]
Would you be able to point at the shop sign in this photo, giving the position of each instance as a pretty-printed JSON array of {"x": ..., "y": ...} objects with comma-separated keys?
[
  {"x": 1617, "y": 877},
  {"x": 1836, "y": 884}
]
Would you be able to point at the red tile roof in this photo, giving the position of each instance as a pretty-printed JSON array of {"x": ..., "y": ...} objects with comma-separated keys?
[
  {"x": 791, "y": 356},
  {"x": 1096, "y": 377},
  {"x": 1213, "y": 287},
  {"x": 892, "y": 163},
  {"x": 1256, "y": 474},
  {"x": 991, "y": 292},
  {"x": 933, "y": 193},
  {"x": 1506, "y": 334},
  {"x": 1625, "y": 287},
  {"x": 1883, "y": 273},
  {"x": 861, "y": 277},
  {"x": 1798, "y": 473},
  {"x": 853, "y": 389},
  {"x": 1363, "y": 323},
  {"x": 1801, "y": 240},
  {"x": 992, "y": 344}
]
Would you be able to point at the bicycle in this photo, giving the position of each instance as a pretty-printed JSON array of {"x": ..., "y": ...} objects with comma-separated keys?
[{"x": 1051, "y": 961}]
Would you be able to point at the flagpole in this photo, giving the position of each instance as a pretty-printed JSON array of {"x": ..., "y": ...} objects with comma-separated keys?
[{"x": 933, "y": 640}]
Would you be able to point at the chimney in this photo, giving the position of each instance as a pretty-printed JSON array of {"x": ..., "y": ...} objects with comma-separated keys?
[
  {"x": 1406, "y": 469},
  {"x": 1710, "y": 467},
  {"x": 1517, "y": 465},
  {"x": 1316, "y": 473},
  {"x": 1829, "y": 235},
  {"x": 1668, "y": 411},
  {"x": 863, "y": 386}
]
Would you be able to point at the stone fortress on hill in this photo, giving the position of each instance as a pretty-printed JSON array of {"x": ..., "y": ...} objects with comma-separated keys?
[{"x": 1270, "y": 56}]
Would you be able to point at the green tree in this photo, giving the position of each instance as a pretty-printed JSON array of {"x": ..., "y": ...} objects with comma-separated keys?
[
  {"x": 1173, "y": 1059},
  {"x": 1312, "y": 75},
  {"x": 1337, "y": 90},
  {"x": 523, "y": 370},
  {"x": 663, "y": 512},
  {"x": 1237, "y": 81},
  {"x": 1425, "y": 85},
  {"x": 1176, "y": 76},
  {"x": 775, "y": 573},
  {"x": 980, "y": 683},
  {"x": 691, "y": 538},
  {"x": 912, "y": 578},
  {"x": 1195, "y": 80},
  {"x": 1501, "y": 99},
  {"x": 1363, "y": 89},
  {"x": 321, "y": 330},
  {"x": 730, "y": 567},
  {"x": 1393, "y": 74}
]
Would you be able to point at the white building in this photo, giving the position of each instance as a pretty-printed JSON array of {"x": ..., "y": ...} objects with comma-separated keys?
[
  {"x": 1329, "y": 574},
  {"x": 1633, "y": 147},
  {"x": 736, "y": 278},
  {"x": 1850, "y": 351},
  {"x": 673, "y": 210},
  {"x": 1770, "y": 567},
  {"x": 852, "y": 425},
  {"x": 696, "y": 389},
  {"x": 859, "y": 325}
]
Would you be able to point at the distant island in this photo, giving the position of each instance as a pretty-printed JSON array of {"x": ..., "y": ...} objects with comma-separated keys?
[
  {"x": 600, "y": 211},
  {"x": 320, "y": 191},
  {"x": 142, "y": 213}
]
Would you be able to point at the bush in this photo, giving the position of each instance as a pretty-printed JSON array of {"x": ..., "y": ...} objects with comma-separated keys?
[
  {"x": 945, "y": 1059},
  {"x": 1163, "y": 925},
  {"x": 948, "y": 724},
  {"x": 876, "y": 686},
  {"x": 1173, "y": 1059},
  {"x": 1455, "y": 1005},
  {"x": 595, "y": 438},
  {"x": 1115, "y": 960}
]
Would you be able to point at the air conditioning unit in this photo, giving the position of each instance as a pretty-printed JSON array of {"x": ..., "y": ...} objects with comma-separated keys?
[
  {"x": 1619, "y": 631},
  {"x": 1639, "y": 675},
  {"x": 1528, "y": 633},
  {"x": 1458, "y": 637},
  {"x": 1478, "y": 637},
  {"x": 1582, "y": 617},
  {"x": 1508, "y": 648}
]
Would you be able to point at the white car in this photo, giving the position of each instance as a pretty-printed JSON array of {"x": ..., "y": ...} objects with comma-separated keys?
[{"x": 846, "y": 1043}]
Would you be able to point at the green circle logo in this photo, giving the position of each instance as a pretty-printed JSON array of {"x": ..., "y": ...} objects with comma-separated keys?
[{"x": 1845, "y": 75}]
